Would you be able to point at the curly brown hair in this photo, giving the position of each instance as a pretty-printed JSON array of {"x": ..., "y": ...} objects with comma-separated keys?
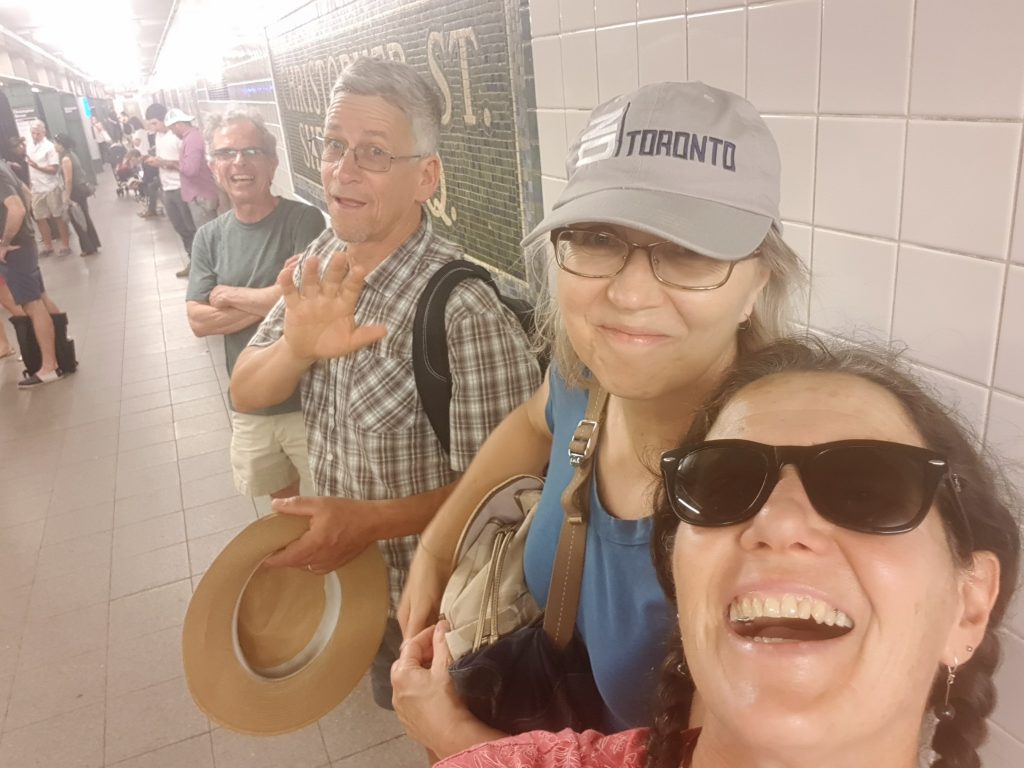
[{"x": 985, "y": 495}]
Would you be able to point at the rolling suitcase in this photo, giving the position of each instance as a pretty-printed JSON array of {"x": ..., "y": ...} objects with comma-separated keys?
[{"x": 31, "y": 356}]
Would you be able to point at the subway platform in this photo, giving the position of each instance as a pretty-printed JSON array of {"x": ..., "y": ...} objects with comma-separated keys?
[{"x": 115, "y": 495}]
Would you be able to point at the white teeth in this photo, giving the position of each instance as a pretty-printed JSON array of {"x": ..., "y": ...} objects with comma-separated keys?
[
  {"x": 751, "y": 607},
  {"x": 788, "y": 607},
  {"x": 805, "y": 608}
]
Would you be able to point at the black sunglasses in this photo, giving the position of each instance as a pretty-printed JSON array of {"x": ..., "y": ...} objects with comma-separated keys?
[{"x": 871, "y": 486}]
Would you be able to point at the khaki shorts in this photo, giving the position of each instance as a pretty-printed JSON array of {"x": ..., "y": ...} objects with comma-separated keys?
[
  {"x": 268, "y": 453},
  {"x": 48, "y": 205}
]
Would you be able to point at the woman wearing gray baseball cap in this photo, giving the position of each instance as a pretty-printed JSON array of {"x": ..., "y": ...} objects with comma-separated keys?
[{"x": 664, "y": 266}]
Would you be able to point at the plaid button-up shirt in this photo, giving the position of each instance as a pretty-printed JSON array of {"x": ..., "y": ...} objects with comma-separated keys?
[{"x": 367, "y": 434}]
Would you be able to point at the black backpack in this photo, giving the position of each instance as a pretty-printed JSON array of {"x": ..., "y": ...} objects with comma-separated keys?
[{"x": 430, "y": 364}]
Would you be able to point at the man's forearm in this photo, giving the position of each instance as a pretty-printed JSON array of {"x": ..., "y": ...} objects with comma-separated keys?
[
  {"x": 255, "y": 301},
  {"x": 210, "y": 321},
  {"x": 406, "y": 516},
  {"x": 15, "y": 217},
  {"x": 266, "y": 376}
]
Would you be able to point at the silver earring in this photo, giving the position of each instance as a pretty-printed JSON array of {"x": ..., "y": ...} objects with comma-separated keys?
[
  {"x": 947, "y": 711},
  {"x": 970, "y": 649}
]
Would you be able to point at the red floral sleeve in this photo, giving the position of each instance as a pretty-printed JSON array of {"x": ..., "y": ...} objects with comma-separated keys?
[{"x": 566, "y": 749}]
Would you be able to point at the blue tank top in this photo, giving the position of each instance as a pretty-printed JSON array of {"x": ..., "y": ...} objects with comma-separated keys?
[{"x": 624, "y": 617}]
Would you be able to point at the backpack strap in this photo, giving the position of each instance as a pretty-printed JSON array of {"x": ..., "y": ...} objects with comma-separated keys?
[{"x": 431, "y": 366}]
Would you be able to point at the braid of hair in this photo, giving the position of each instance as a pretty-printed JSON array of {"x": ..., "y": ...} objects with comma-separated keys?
[
  {"x": 674, "y": 697},
  {"x": 973, "y": 696}
]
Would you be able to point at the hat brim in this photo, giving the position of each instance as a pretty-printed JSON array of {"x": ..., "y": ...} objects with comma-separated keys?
[
  {"x": 710, "y": 228},
  {"x": 225, "y": 689}
]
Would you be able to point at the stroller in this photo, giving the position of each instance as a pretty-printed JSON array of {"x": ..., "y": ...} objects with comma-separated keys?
[{"x": 128, "y": 172}]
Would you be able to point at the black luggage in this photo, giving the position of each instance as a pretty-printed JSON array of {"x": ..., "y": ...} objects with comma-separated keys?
[{"x": 31, "y": 356}]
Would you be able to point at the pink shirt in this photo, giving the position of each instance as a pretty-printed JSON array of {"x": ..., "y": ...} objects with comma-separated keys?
[
  {"x": 196, "y": 179},
  {"x": 566, "y": 749}
]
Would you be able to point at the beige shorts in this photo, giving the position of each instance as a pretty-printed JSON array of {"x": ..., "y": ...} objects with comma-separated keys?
[
  {"x": 48, "y": 205},
  {"x": 268, "y": 453}
]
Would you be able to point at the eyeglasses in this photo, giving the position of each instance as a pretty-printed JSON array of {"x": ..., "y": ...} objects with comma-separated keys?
[
  {"x": 870, "y": 486},
  {"x": 367, "y": 156},
  {"x": 595, "y": 253},
  {"x": 229, "y": 155}
]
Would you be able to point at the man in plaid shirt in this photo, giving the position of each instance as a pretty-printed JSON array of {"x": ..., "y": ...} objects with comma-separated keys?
[{"x": 343, "y": 333}]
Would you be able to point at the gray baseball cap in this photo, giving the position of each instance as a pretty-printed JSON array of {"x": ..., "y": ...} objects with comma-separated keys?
[{"x": 683, "y": 161}]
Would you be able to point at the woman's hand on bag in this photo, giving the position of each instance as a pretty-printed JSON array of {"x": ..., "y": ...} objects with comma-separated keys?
[
  {"x": 426, "y": 701},
  {"x": 420, "y": 603}
]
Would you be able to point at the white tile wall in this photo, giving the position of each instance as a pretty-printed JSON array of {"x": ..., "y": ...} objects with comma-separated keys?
[
  {"x": 1017, "y": 246},
  {"x": 717, "y": 49},
  {"x": 547, "y": 72},
  {"x": 661, "y": 50},
  {"x": 852, "y": 82},
  {"x": 967, "y": 59},
  {"x": 852, "y": 284},
  {"x": 947, "y": 310},
  {"x": 608, "y": 12},
  {"x": 859, "y": 174},
  {"x": 617, "y": 63},
  {"x": 1010, "y": 356},
  {"x": 544, "y": 19},
  {"x": 958, "y": 192},
  {"x": 579, "y": 69},
  {"x": 899, "y": 123},
  {"x": 782, "y": 56},
  {"x": 658, "y": 9}
]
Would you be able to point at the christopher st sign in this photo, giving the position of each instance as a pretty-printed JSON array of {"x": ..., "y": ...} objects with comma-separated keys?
[{"x": 472, "y": 51}]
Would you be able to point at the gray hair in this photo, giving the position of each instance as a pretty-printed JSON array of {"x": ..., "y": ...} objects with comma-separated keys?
[
  {"x": 402, "y": 87},
  {"x": 217, "y": 121},
  {"x": 773, "y": 310},
  {"x": 38, "y": 124}
]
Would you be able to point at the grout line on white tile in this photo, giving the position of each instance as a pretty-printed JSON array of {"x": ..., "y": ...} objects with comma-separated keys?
[{"x": 1015, "y": 201}]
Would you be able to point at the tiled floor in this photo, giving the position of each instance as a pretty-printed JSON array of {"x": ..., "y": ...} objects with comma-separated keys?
[{"x": 115, "y": 495}]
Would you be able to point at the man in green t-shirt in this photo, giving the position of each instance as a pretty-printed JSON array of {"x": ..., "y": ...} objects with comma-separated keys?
[{"x": 235, "y": 262}]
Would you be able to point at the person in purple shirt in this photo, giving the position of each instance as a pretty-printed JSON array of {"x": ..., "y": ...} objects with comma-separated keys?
[{"x": 198, "y": 189}]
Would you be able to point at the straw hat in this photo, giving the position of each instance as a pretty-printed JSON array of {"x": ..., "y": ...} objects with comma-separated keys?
[{"x": 271, "y": 650}]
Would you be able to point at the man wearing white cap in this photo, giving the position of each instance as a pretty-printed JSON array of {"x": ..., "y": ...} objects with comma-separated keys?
[
  {"x": 167, "y": 159},
  {"x": 198, "y": 189}
]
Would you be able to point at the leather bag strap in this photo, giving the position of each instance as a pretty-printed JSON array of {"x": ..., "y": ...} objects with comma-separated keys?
[{"x": 567, "y": 572}]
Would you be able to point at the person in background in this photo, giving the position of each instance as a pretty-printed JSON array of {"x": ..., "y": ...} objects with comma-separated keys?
[
  {"x": 99, "y": 133},
  {"x": 47, "y": 198},
  {"x": 20, "y": 262},
  {"x": 145, "y": 143},
  {"x": 198, "y": 189},
  {"x": 232, "y": 285},
  {"x": 15, "y": 154},
  {"x": 77, "y": 190},
  {"x": 167, "y": 159}
]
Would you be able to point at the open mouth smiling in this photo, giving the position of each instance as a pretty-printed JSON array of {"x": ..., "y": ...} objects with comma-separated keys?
[{"x": 786, "y": 618}]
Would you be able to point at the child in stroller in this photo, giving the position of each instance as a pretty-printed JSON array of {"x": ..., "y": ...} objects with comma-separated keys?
[{"x": 129, "y": 174}]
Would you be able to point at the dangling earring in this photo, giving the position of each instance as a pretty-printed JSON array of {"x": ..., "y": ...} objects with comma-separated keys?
[
  {"x": 745, "y": 325},
  {"x": 947, "y": 711}
]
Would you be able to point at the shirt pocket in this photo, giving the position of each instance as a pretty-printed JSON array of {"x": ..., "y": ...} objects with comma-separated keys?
[{"x": 384, "y": 399}]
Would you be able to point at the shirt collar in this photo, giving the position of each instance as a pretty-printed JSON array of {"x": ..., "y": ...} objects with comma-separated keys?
[{"x": 405, "y": 261}]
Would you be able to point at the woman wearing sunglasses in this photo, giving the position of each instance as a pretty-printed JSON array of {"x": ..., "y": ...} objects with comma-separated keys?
[
  {"x": 665, "y": 266},
  {"x": 840, "y": 558}
]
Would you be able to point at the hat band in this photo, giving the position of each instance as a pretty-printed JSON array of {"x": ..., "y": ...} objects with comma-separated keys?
[{"x": 316, "y": 645}]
